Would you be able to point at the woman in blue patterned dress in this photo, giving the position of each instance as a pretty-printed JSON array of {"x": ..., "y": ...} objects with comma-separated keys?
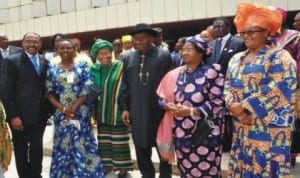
[
  {"x": 259, "y": 92},
  {"x": 75, "y": 153},
  {"x": 197, "y": 95}
]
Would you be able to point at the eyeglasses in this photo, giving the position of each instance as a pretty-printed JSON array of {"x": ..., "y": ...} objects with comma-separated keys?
[
  {"x": 250, "y": 32},
  {"x": 117, "y": 44}
]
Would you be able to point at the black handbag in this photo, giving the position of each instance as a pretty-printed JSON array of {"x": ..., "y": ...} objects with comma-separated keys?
[
  {"x": 201, "y": 130},
  {"x": 93, "y": 94}
]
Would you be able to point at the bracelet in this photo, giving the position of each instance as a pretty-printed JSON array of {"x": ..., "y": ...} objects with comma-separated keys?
[
  {"x": 64, "y": 109},
  {"x": 192, "y": 112}
]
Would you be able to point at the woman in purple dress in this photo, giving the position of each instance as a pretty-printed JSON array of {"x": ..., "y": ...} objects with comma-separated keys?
[{"x": 197, "y": 95}]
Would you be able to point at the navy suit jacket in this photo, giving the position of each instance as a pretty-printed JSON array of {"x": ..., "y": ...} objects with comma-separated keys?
[
  {"x": 14, "y": 50},
  {"x": 1, "y": 76},
  {"x": 232, "y": 46},
  {"x": 25, "y": 89}
]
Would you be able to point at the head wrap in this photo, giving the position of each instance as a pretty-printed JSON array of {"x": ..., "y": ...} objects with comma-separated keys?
[
  {"x": 100, "y": 45},
  {"x": 283, "y": 12},
  {"x": 251, "y": 14},
  {"x": 126, "y": 38},
  {"x": 200, "y": 44},
  {"x": 76, "y": 41}
]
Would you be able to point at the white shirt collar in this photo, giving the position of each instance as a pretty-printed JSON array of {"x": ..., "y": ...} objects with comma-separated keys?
[{"x": 224, "y": 40}]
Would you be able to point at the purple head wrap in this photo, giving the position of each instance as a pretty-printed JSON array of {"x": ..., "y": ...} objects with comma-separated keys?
[{"x": 200, "y": 44}]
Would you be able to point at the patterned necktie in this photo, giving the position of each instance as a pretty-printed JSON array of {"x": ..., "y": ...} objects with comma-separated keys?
[
  {"x": 34, "y": 60},
  {"x": 218, "y": 50}
]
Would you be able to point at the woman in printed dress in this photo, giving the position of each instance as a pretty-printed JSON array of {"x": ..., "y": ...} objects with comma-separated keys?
[
  {"x": 5, "y": 142},
  {"x": 113, "y": 135},
  {"x": 259, "y": 92},
  {"x": 75, "y": 153},
  {"x": 197, "y": 94}
]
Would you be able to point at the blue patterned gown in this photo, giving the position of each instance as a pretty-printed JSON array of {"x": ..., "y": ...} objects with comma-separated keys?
[
  {"x": 266, "y": 88},
  {"x": 75, "y": 152}
]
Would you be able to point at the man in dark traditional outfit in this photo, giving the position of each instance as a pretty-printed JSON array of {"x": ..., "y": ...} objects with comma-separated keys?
[{"x": 143, "y": 70}]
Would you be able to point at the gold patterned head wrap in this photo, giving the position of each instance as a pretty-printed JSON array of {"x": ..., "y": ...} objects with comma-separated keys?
[
  {"x": 126, "y": 38},
  {"x": 251, "y": 14}
]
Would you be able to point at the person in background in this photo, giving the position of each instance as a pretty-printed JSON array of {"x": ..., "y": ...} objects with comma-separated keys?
[
  {"x": 285, "y": 38},
  {"x": 197, "y": 93},
  {"x": 176, "y": 54},
  {"x": 259, "y": 92},
  {"x": 224, "y": 47},
  {"x": 2, "y": 78},
  {"x": 289, "y": 40},
  {"x": 127, "y": 43},
  {"x": 159, "y": 39},
  {"x": 295, "y": 143},
  {"x": 75, "y": 152},
  {"x": 26, "y": 105},
  {"x": 143, "y": 70},
  {"x": 296, "y": 23},
  {"x": 54, "y": 41},
  {"x": 117, "y": 49},
  {"x": 208, "y": 34},
  {"x": 113, "y": 135},
  {"x": 77, "y": 43},
  {"x": 84, "y": 54},
  {"x": 7, "y": 49}
]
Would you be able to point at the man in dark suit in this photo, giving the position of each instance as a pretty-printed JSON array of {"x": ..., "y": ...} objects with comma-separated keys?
[
  {"x": 26, "y": 105},
  {"x": 6, "y": 49},
  {"x": 1, "y": 76},
  {"x": 224, "y": 47}
]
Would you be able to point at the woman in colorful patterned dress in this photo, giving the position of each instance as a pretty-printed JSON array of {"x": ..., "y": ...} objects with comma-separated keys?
[
  {"x": 259, "y": 92},
  {"x": 75, "y": 152},
  {"x": 5, "y": 142},
  {"x": 113, "y": 135},
  {"x": 197, "y": 94}
]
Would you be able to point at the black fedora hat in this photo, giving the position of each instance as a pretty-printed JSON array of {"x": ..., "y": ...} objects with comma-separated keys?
[{"x": 143, "y": 27}]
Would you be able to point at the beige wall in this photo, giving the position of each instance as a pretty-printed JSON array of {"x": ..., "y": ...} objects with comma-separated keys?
[{"x": 47, "y": 17}]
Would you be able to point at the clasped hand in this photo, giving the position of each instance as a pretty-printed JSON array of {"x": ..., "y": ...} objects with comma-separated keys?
[
  {"x": 178, "y": 110},
  {"x": 237, "y": 111},
  {"x": 69, "y": 112}
]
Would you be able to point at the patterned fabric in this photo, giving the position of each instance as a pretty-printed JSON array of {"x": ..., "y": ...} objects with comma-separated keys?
[
  {"x": 290, "y": 41},
  {"x": 79, "y": 58},
  {"x": 252, "y": 14},
  {"x": 108, "y": 78},
  {"x": 201, "y": 89},
  {"x": 113, "y": 135},
  {"x": 113, "y": 141},
  {"x": 75, "y": 152},
  {"x": 266, "y": 88},
  {"x": 5, "y": 142},
  {"x": 200, "y": 44}
]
